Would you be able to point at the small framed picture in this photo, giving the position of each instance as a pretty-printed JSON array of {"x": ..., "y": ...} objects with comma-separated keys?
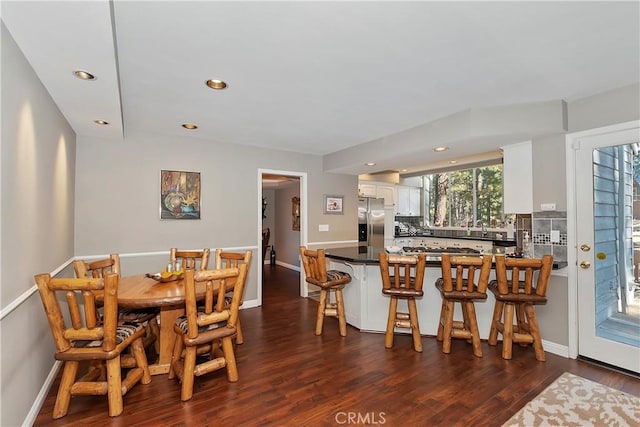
[
  {"x": 333, "y": 204},
  {"x": 179, "y": 195}
]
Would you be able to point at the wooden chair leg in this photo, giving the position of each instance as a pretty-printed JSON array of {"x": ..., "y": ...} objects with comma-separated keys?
[
  {"x": 63, "y": 397},
  {"x": 114, "y": 387},
  {"x": 186, "y": 392},
  {"x": 342, "y": 319},
  {"x": 175, "y": 355},
  {"x": 391, "y": 320},
  {"x": 497, "y": 317},
  {"x": 443, "y": 311},
  {"x": 239, "y": 336},
  {"x": 415, "y": 325},
  {"x": 470, "y": 309},
  {"x": 535, "y": 332},
  {"x": 137, "y": 348},
  {"x": 320, "y": 315},
  {"x": 230, "y": 359},
  {"x": 448, "y": 326},
  {"x": 155, "y": 330},
  {"x": 507, "y": 332}
]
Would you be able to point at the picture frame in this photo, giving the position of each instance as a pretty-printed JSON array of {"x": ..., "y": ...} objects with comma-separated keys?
[
  {"x": 179, "y": 195},
  {"x": 333, "y": 205}
]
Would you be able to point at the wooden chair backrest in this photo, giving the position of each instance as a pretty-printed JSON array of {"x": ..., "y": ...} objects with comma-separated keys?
[
  {"x": 315, "y": 265},
  {"x": 82, "y": 311},
  {"x": 98, "y": 268},
  {"x": 510, "y": 279},
  {"x": 190, "y": 258},
  {"x": 465, "y": 268},
  {"x": 407, "y": 270},
  {"x": 231, "y": 259},
  {"x": 218, "y": 282}
]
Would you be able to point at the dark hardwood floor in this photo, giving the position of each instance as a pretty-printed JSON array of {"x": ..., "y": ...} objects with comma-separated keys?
[{"x": 290, "y": 377}]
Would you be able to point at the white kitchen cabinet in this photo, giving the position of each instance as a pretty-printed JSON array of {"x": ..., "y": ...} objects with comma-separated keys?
[
  {"x": 480, "y": 245},
  {"x": 367, "y": 190},
  {"x": 409, "y": 203},
  {"x": 517, "y": 172}
]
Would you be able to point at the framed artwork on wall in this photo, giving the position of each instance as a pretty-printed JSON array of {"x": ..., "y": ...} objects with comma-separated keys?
[
  {"x": 179, "y": 195},
  {"x": 333, "y": 204}
]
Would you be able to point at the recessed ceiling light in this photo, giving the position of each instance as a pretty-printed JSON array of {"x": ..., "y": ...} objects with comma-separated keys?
[
  {"x": 369, "y": 164},
  {"x": 190, "y": 126},
  {"x": 453, "y": 161},
  {"x": 404, "y": 170},
  {"x": 101, "y": 122},
  {"x": 84, "y": 75},
  {"x": 216, "y": 84},
  {"x": 439, "y": 149}
]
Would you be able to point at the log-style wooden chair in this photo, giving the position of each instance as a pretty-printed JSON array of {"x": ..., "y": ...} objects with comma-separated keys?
[
  {"x": 330, "y": 282},
  {"x": 208, "y": 331},
  {"x": 88, "y": 339},
  {"x": 195, "y": 260},
  {"x": 402, "y": 278},
  {"x": 147, "y": 317},
  {"x": 515, "y": 291},
  {"x": 225, "y": 259},
  {"x": 463, "y": 288}
]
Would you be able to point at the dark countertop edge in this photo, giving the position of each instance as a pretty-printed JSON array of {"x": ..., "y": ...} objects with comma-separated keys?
[
  {"x": 499, "y": 242},
  {"x": 368, "y": 259}
]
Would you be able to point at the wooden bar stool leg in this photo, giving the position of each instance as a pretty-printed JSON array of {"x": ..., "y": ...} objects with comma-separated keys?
[
  {"x": 507, "y": 332},
  {"x": 239, "y": 336},
  {"x": 342, "y": 319},
  {"x": 470, "y": 309},
  {"x": 443, "y": 310},
  {"x": 448, "y": 327},
  {"x": 415, "y": 325},
  {"x": 391, "y": 320},
  {"x": 320, "y": 315},
  {"x": 232, "y": 368},
  {"x": 188, "y": 373},
  {"x": 497, "y": 317},
  {"x": 535, "y": 332}
]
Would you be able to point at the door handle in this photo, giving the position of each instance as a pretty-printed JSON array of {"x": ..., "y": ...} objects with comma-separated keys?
[
  {"x": 585, "y": 248},
  {"x": 585, "y": 264}
]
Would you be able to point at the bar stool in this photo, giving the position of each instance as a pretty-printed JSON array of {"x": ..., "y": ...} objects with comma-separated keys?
[
  {"x": 329, "y": 282},
  {"x": 513, "y": 294},
  {"x": 463, "y": 289},
  {"x": 405, "y": 283}
]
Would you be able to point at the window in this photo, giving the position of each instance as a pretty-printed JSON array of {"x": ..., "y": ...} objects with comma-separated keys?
[{"x": 464, "y": 198}]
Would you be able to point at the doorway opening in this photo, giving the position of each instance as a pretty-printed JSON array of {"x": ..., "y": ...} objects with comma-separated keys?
[{"x": 282, "y": 206}]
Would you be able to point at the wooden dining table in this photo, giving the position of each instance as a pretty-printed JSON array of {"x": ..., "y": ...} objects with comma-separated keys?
[{"x": 144, "y": 292}]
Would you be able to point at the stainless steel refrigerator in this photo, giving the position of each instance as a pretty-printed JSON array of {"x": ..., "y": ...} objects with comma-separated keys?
[{"x": 370, "y": 222}]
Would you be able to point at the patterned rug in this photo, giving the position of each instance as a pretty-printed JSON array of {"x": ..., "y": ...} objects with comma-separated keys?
[{"x": 575, "y": 401}]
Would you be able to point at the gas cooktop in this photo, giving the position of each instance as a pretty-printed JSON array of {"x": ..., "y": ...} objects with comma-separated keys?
[{"x": 411, "y": 250}]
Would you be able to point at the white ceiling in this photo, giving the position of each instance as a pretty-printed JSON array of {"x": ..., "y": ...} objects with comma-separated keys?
[{"x": 316, "y": 77}]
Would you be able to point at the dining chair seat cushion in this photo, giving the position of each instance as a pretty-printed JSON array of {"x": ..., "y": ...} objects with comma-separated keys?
[
  {"x": 519, "y": 297},
  {"x": 124, "y": 331},
  {"x": 460, "y": 295},
  {"x": 338, "y": 276},
  {"x": 181, "y": 322},
  {"x": 137, "y": 316}
]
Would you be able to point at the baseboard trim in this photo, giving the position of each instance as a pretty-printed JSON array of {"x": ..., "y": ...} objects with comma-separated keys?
[
  {"x": 289, "y": 266},
  {"x": 42, "y": 395},
  {"x": 557, "y": 349}
]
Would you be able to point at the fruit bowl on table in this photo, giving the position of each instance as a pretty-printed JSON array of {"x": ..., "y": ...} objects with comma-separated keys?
[{"x": 164, "y": 278}]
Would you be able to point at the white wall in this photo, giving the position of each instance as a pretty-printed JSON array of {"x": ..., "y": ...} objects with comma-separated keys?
[
  {"x": 38, "y": 163},
  {"x": 287, "y": 241}
]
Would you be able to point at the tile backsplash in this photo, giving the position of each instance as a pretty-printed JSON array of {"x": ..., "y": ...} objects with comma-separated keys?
[{"x": 543, "y": 223}]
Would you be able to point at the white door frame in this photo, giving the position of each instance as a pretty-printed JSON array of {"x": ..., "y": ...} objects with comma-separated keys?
[
  {"x": 572, "y": 209},
  {"x": 303, "y": 220}
]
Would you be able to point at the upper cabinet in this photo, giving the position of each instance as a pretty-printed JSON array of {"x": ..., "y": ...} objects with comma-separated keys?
[
  {"x": 408, "y": 201},
  {"x": 378, "y": 190},
  {"x": 517, "y": 173}
]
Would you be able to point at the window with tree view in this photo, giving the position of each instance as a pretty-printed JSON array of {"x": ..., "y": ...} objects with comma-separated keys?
[{"x": 464, "y": 198}]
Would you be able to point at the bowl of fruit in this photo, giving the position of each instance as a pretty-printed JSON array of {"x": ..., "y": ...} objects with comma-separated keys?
[{"x": 167, "y": 275}]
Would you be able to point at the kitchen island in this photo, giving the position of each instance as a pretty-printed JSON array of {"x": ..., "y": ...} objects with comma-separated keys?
[{"x": 367, "y": 308}]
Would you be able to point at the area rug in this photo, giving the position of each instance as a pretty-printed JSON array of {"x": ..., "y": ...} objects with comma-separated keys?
[{"x": 575, "y": 401}]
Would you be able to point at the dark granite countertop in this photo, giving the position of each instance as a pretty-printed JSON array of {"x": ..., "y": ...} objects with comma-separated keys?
[
  {"x": 462, "y": 235},
  {"x": 369, "y": 255}
]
